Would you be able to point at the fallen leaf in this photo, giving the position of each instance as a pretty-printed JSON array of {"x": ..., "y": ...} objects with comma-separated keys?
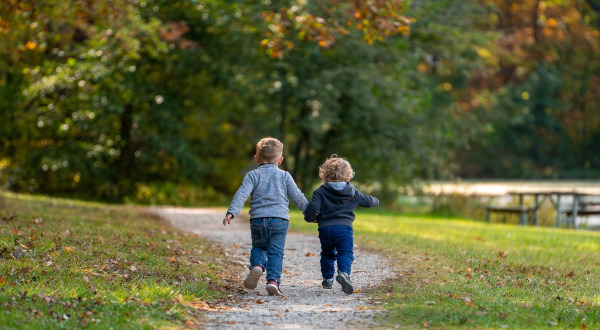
[
  {"x": 258, "y": 301},
  {"x": 356, "y": 291},
  {"x": 279, "y": 315},
  {"x": 501, "y": 254},
  {"x": 468, "y": 301},
  {"x": 2, "y": 280},
  {"x": 308, "y": 254},
  {"x": 426, "y": 324},
  {"x": 68, "y": 249},
  {"x": 285, "y": 272}
]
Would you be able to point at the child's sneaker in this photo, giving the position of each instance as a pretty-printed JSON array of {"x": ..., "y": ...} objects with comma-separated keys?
[
  {"x": 273, "y": 289},
  {"x": 251, "y": 280},
  {"x": 344, "y": 280},
  {"x": 327, "y": 283}
]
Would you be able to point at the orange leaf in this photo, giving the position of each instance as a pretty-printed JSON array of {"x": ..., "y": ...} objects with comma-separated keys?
[
  {"x": 308, "y": 254},
  {"x": 2, "y": 280}
]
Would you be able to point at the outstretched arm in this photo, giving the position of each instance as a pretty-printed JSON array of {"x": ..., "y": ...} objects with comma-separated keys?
[
  {"x": 367, "y": 200},
  {"x": 295, "y": 194},
  {"x": 239, "y": 199}
]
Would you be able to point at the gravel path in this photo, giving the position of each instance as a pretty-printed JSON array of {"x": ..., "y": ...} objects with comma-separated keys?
[{"x": 305, "y": 305}]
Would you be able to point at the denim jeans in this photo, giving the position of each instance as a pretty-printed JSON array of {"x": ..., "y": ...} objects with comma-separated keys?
[
  {"x": 268, "y": 242},
  {"x": 337, "y": 243}
]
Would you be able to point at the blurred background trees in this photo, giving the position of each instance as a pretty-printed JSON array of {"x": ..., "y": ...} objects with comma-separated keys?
[{"x": 163, "y": 101}]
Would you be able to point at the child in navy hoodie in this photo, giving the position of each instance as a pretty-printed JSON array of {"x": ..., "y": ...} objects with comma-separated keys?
[{"x": 332, "y": 207}]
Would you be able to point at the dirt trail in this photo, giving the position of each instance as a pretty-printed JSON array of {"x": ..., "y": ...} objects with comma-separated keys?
[{"x": 305, "y": 304}]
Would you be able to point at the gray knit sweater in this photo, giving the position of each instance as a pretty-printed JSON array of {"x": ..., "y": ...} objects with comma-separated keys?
[{"x": 268, "y": 188}]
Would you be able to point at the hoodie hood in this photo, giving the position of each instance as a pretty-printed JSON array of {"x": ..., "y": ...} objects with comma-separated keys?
[{"x": 341, "y": 191}]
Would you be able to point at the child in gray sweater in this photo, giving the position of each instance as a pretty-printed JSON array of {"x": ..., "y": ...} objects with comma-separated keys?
[{"x": 268, "y": 188}]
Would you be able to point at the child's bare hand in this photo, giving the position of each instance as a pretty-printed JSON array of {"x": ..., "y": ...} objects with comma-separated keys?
[{"x": 227, "y": 219}]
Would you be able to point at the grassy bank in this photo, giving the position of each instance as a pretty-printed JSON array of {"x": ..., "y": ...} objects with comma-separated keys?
[
  {"x": 459, "y": 273},
  {"x": 68, "y": 264}
]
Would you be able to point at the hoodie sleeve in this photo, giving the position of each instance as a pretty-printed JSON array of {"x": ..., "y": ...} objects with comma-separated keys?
[
  {"x": 365, "y": 200},
  {"x": 295, "y": 194},
  {"x": 313, "y": 208}
]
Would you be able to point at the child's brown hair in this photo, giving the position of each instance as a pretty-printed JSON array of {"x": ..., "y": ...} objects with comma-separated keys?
[
  {"x": 269, "y": 150},
  {"x": 336, "y": 169}
]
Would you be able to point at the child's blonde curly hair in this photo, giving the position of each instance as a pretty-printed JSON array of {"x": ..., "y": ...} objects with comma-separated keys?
[{"x": 336, "y": 169}]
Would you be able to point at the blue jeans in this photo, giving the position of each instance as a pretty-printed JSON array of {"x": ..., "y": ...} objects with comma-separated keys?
[
  {"x": 268, "y": 242},
  {"x": 337, "y": 243}
]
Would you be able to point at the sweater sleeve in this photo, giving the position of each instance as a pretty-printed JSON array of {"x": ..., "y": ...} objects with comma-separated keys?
[
  {"x": 313, "y": 208},
  {"x": 365, "y": 200},
  {"x": 241, "y": 196},
  {"x": 294, "y": 193}
]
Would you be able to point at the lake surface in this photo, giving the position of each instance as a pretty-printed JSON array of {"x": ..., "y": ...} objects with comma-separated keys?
[{"x": 500, "y": 188}]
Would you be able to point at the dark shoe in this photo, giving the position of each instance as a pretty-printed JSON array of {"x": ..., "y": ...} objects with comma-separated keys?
[
  {"x": 344, "y": 280},
  {"x": 273, "y": 289},
  {"x": 251, "y": 280},
  {"x": 327, "y": 283}
]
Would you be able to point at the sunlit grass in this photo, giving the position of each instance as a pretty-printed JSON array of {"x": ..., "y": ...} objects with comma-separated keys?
[
  {"x": 460, "y": 273},
  {"x": 72, "y": 264}
]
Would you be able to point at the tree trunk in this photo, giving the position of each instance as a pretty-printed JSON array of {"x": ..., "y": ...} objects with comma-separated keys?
[{"x": 127, "y": 147}]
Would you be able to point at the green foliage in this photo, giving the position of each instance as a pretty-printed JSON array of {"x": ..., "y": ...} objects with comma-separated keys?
[
  {"x": 99, "y": 99},
  {"x": 68, "y": 264}
]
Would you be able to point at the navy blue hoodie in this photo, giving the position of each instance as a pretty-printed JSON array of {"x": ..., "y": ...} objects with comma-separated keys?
[{"x": 331, "y": 206}]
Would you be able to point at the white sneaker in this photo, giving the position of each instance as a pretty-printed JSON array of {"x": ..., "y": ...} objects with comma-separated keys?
[{"x": 251, "y": 280}]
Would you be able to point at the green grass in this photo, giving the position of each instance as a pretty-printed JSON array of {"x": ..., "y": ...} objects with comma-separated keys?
[
  {"x": 69, "y": 264},
  {"x": 462, "y": 273}
]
